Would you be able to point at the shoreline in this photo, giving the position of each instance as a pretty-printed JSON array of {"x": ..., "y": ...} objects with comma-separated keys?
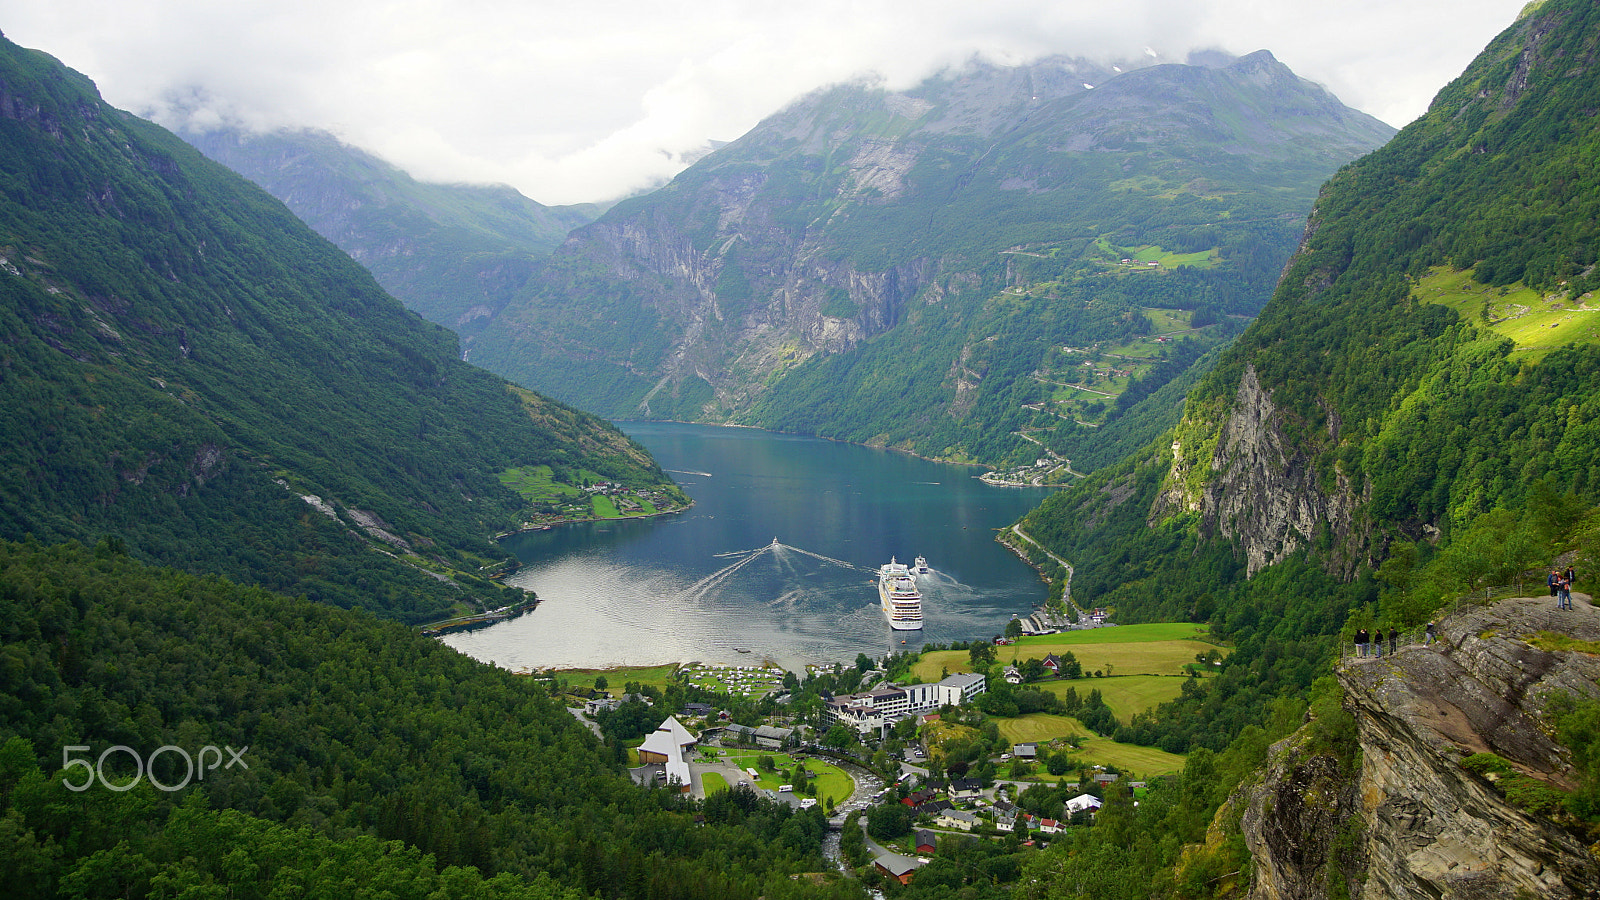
[
  {"x": 822, "y": 437},
  {"x": 547, "y": 526}
]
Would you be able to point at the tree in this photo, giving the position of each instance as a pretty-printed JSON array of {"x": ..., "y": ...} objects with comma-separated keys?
[
  {"x": 981, "y": 653},
  {"x": 1032, "y": 669},
  {"x": 1014, "y": 629},
  {"x": 839, "y": 737},
  {"x": 863, "y": 662},
  {"x": 600, "y": 682},
  {"x": 1070, "y": 667}
]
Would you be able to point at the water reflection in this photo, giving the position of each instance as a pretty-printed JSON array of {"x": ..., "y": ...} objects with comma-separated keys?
[{"x": 710, "y": 583}]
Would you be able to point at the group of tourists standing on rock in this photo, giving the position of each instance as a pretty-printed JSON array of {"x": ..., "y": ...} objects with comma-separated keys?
[
  {"x": 1561, "y": 586},
  {"x": 1370, "y": 644},
  {"x": 1367, "y": 645}
]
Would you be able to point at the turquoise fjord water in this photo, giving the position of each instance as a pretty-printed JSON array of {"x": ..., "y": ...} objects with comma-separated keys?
[{"x": 708, "y": 583}]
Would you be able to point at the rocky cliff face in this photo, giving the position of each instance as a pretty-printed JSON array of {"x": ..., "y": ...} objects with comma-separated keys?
[
  {"x": 1405, "y": 818},
  {"x": 1258, "y": 487}
]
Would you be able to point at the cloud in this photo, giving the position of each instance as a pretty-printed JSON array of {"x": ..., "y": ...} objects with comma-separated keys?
[{"x": 573, "y": 101}]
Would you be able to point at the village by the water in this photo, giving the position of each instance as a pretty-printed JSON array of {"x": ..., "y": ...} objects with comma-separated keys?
[{"x": 1011, "y": 737}]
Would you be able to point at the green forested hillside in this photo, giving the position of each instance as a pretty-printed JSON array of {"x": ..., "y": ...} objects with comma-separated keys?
[
  {"x": 909, "y": 268},
  {"x": 184, "y": 361},
  {"x": 1393, "y": 435},
  {"x": 455, "y": 253},
  {"x": 372, "y": 762},
  {"x": 1443, "y": 447}
]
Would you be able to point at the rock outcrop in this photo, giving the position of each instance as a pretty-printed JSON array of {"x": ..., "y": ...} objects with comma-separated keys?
[
  {"x": 1260, "y": 488},
  {"x": 1406, "y": 818}
]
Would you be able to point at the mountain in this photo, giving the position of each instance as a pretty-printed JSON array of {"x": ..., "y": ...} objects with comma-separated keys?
[
  {"x": 1428, "y": 353},
  {"x": 1416, "y": 400},
  {"x": 1405, "y": 437},
  {"x": 191, "y": 374},
  {"x": 1407, "y": 434},
  {"x": 906, "y": 268},
  {"x": 454, "y": 253}
]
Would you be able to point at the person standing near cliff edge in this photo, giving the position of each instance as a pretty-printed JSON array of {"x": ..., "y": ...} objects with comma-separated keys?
[
  {"x": 1430, "y": 635},
  {"x": 1361, "y": 643}
]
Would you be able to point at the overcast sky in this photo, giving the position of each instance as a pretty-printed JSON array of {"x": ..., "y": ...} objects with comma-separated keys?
[{"x": 574, "y": 101}]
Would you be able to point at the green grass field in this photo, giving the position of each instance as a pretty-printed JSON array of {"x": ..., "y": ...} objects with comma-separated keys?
[
  {"x": 657, "y": 676},
  {"x": 1157, "y": 649},
  {"x": 1151, "y": 253},
  {"x": 1168, "y": 319},
  {"x": 535, "y": 484},
  {"x": 832, "y": 782},
  {"x": 1125, "y": 694},
  {"x": 1147, "y": 668},
  {"x": 1041, "y": 727},
  {"x": 1132, "y": 758},
  {"x": 1535, "y": 322},
  {"x": 712, "y": 783}
]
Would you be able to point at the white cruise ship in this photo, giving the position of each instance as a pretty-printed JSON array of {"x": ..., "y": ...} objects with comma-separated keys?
[{"x": 902, "y": 602}]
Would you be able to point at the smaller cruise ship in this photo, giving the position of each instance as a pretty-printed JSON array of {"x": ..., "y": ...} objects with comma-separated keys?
[{"x": 897, "y": 591}]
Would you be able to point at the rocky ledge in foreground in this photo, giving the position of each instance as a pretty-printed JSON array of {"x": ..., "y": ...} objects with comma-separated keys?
[{"x": 1404, "y": 817}]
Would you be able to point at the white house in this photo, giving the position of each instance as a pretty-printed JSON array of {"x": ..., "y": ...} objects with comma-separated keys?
[
  {"x": 1081, "y": 803},
  {"x": 670, "y": 745}
]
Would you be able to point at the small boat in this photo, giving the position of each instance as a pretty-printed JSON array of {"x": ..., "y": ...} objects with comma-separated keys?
[{"x": 921, "y": 568}]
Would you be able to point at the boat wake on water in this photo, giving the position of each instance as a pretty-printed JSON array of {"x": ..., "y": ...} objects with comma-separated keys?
[{"x": 779, "y": 552}]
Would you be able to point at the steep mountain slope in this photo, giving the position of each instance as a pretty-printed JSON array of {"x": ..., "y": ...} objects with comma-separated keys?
[
  {"x": 357, "y": 759},
  {"x": 1431, "y": 351},
  {"x": 896, "y": 268},
  {"x": 454, "y": 253},
  {"x": 189, "y": 370},
  {"x": 1407, "y": 429},
  {"x": 1387, "y": 414}
]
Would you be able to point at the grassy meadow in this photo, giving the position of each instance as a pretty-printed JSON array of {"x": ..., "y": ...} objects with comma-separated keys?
[
  {"x": 1537, "y": 323},
  {"x": 1125, "y": 694},
  {"x": 832, "y": 782},
  {"x": 1156, "y": 649},
  {"x": 1147, "y": 668},
  {"x": 616, "y": 678},
  {"x": 1094, "y": 750}
]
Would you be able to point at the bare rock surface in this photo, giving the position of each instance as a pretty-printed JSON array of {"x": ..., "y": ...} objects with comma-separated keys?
[{"x": 1409, "y": 820}]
